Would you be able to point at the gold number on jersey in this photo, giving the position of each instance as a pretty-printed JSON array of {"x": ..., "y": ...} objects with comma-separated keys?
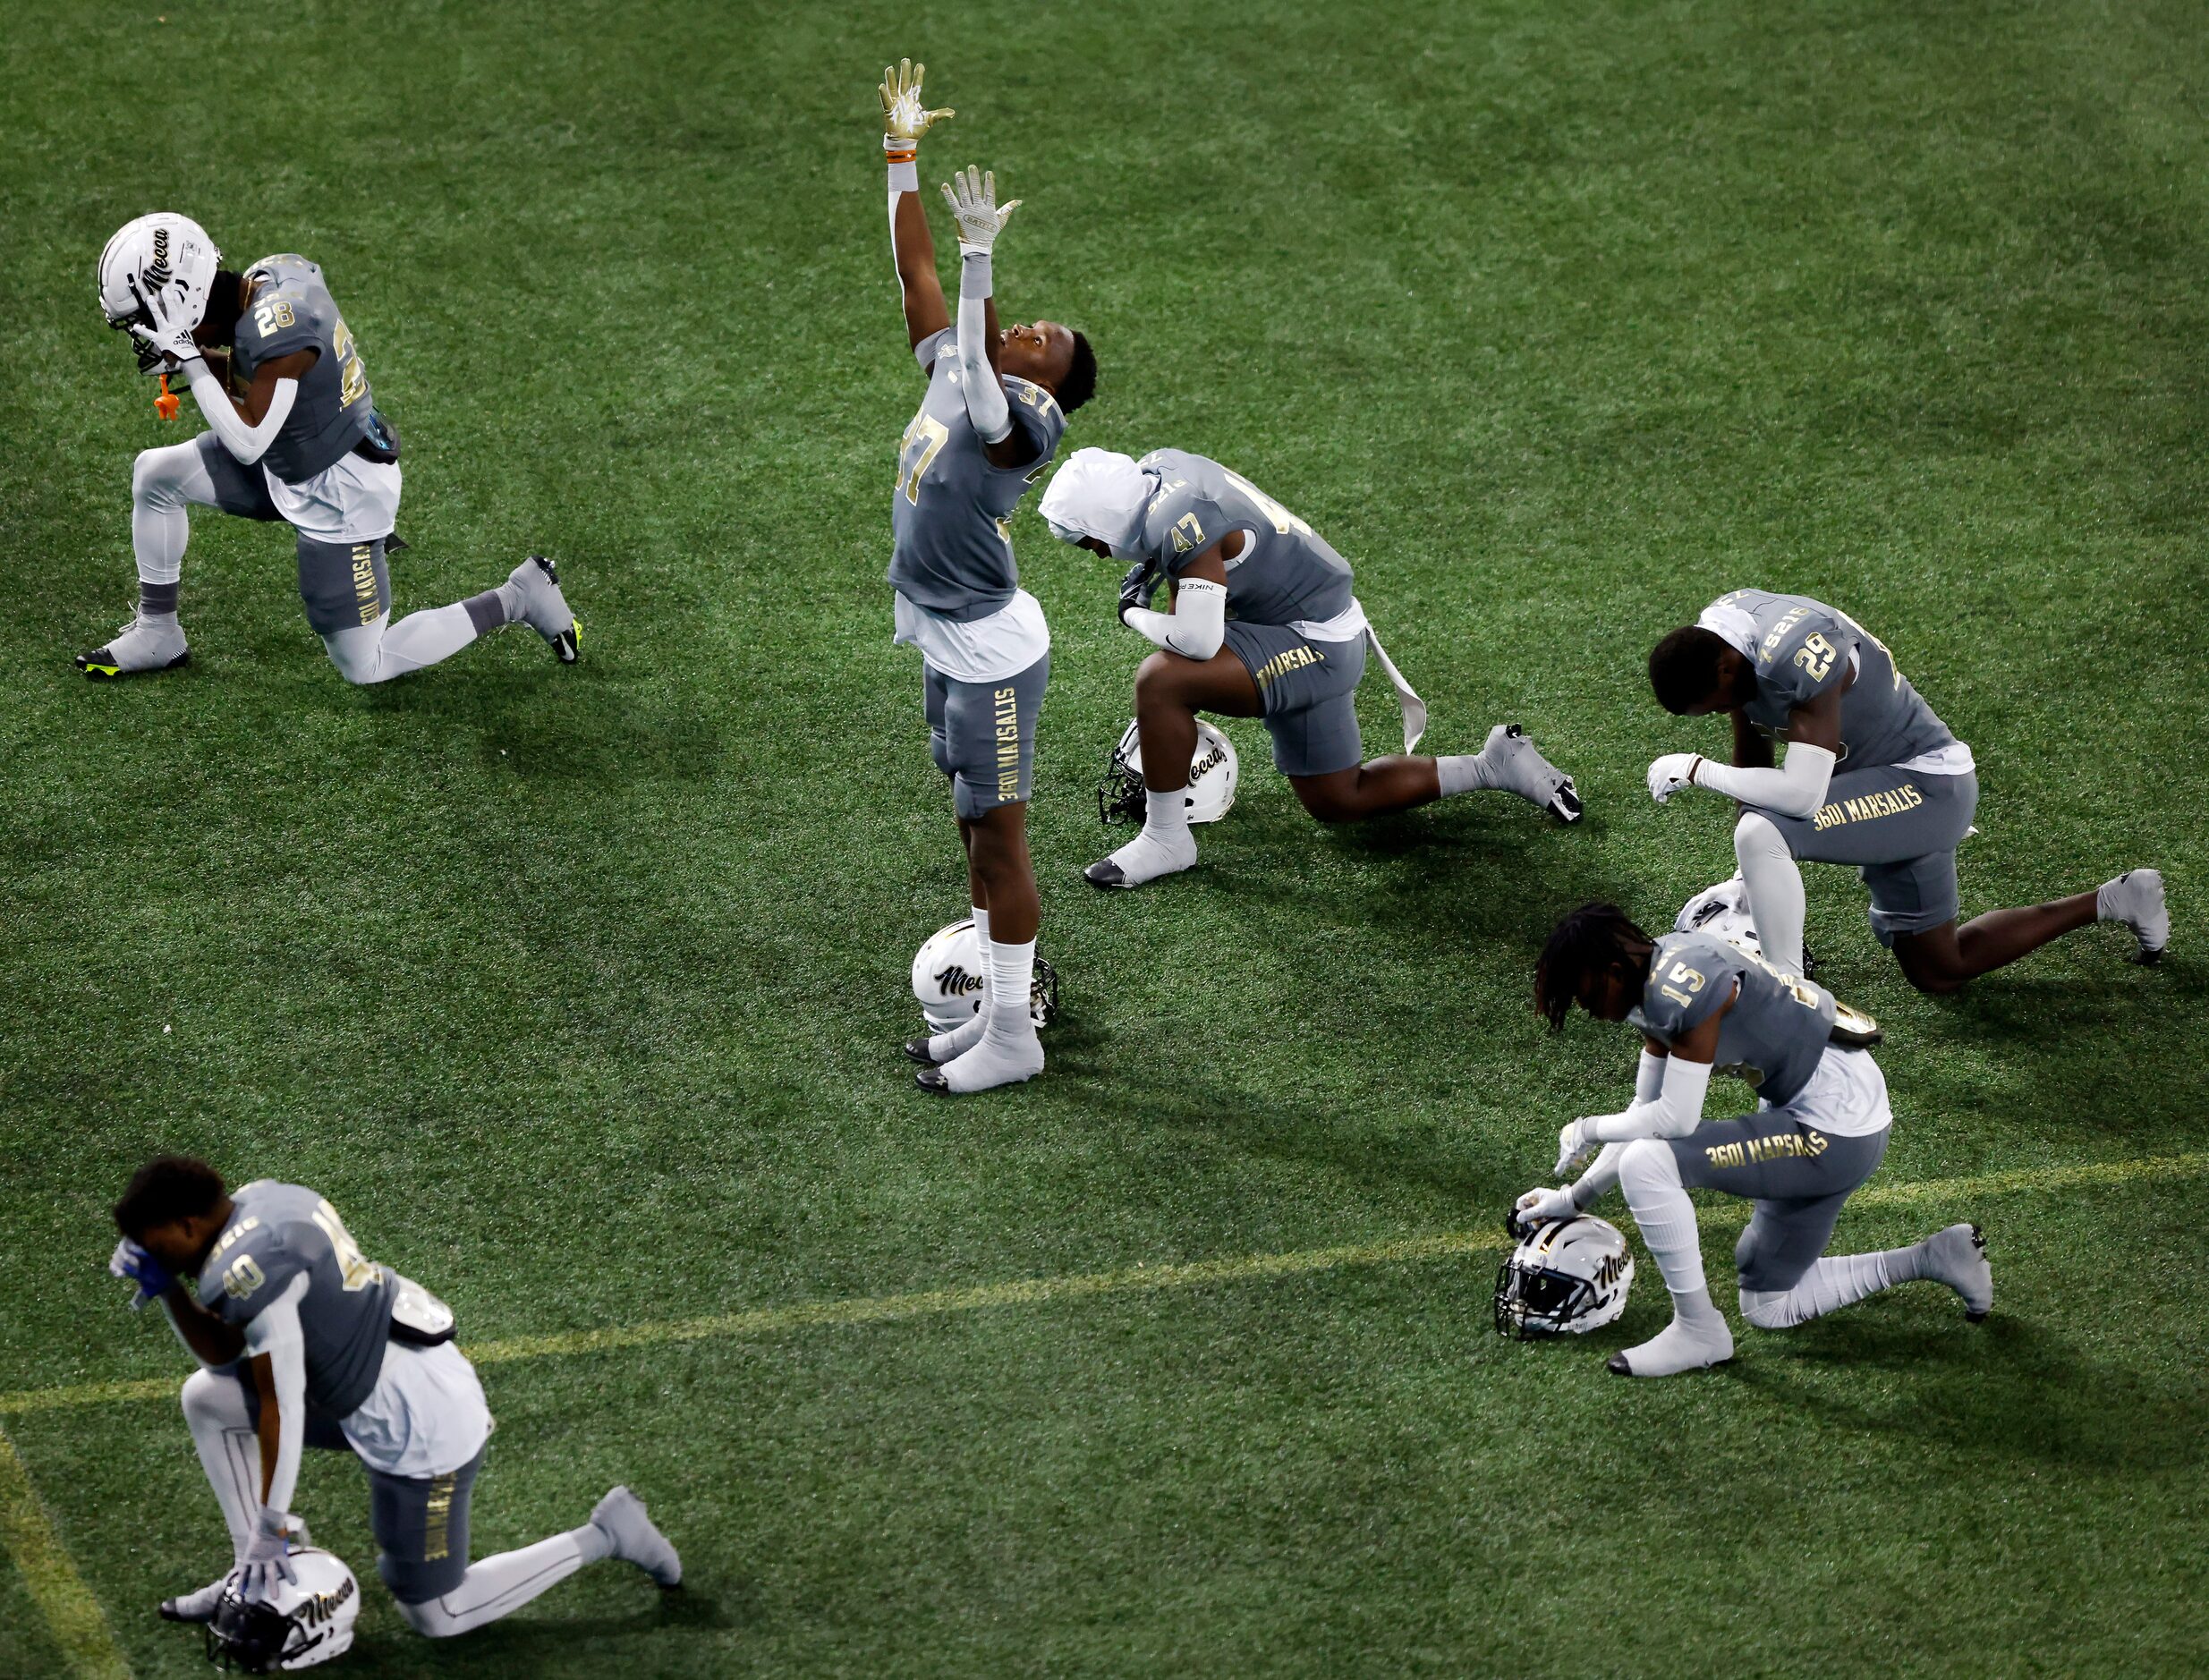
[
  {"x": 272, "y": 315},
  {"x": 923, "y": 439},
  {"x": 358, "y": 1273},
  {"x": 1875, "y": 642},
  {"x": 1188, "y": 534},
  {"x": 1816, "y": 655},
  {"x": 242, "y": 1277},
  {"x": 1283, "y": 520},
  {"x": 1682, "y": 975},
  {"x": 354, "y": 376}
]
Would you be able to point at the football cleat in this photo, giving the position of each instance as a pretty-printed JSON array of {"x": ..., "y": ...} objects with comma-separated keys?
[
  {"x": 1141, "y": 860},
  {"x": 1957, "y": 1257},
  {"x": 141, "y": 645},
  {"x": 2135, "y": 898},
  {"x": 621, "y": 1517},
  {"x": 1520, "y": 768},
  {"x": 544, "y": 609},
  {"x": 1853, "y": 1028}
]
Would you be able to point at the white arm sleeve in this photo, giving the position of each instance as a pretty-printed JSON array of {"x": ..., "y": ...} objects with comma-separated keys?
[
  {"x": 1796, "y": 789},
  {"x": 249, "y": 443},
  {"x": 978, "y": 382},
  {"x": 1648, "y": 1076},
  {"x": 1677, "y": 1111},
  {"x": 1600, "y": 1179},
  {"x": 1197, "y": 627},
  {"x": 275, "y": 1331}
]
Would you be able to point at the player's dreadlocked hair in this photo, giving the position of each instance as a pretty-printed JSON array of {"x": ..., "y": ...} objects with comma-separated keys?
[
  {"x": 166, "y": 1188},
  {"x": 1593, "y": 939},
  {"x": 1081, "y": 382},
  {"x": 1683, "y": 668}
]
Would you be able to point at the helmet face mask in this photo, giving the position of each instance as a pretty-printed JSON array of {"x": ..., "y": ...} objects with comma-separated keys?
[
  {"x": 309, "y": 1622},
  {"x": 1565, "y": 1278}
]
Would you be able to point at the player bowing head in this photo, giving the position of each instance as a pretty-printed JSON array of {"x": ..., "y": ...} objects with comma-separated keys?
[
  {"x": 996, "y": 406},
  {"x": 1819, "y": 1130},
  {"x": 1872, "y": 778},
  {"x": 1263, "y": 624},
  {"x": 303, "y": 444},
  {"x": 302, "y": 1342}
]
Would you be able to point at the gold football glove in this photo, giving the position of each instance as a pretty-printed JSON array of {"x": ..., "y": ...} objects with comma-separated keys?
[{"x": 905, "y": 119}]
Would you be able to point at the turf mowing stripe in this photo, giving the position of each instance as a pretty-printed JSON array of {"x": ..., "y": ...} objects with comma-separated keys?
[
  {"x": 1035, "y": 1291},
  {"x": 72, "y": 1615}
]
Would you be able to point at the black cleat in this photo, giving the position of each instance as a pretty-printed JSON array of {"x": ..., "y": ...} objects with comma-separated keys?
[
  {"x": 1105, "y": 872},
  {"x": 931, "y": 1078},
  {"x": 917, "y": 1050},
  {"x": 1616, "y": 1366}
]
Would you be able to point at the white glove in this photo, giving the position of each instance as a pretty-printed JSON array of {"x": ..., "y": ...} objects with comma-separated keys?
[
  {"x": 1670, "y": 774},
  {"x": 267, "y": 1558},
  {"x": 972, "y": 198},
  {"x": 1574, "y": 1140},
  {"x": 905, "y": 119},
  {"x": 1539, "y": 1207},
  {"x": 171, "y": 332}
]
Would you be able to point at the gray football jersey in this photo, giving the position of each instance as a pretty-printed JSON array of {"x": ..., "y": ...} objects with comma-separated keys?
[
  {"x": 1802, "y": 649},
  {"x": 276, "y": 1233},
  {"x": 952, "y": 552},
  {"x": 1287, "y": 572},
  {"x": 1773, "y": 1035},
  {"x": 291, "y": 309}
]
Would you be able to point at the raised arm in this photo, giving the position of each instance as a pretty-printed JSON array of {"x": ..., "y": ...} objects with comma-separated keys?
[
  {"x": 972, "y": 198},
  {"x": 905, "y": 119},
  {"x": 246, "y": 429}
]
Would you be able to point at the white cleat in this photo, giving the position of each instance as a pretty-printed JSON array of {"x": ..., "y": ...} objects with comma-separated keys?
[
  {"x": 991, "y": 1063},
  {"x": 195, "y": 1606},
  {"x": 1957, "y": 1257},
  {"x": 140, "y": 646},
  {"x": 1520, "y": 768},
  {"x": 621, "y": 1517},
  {"x": 1680, "y": 1347},
  {"x": 1141, "y": 860},
  {"x": 2135, "y": 898},
  {"x": 544, "y": 609}
]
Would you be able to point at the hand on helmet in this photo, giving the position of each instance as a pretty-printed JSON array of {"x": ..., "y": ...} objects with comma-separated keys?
[
  {"x": 1137, "y": 587},
  {"x": 905, "y": 119},
  {"x": 267, "y": 1558},
  {"x": 1540, "y": 1207},
  {"x": 133, "y": 1263},
  {"x": 972, "y": 198},
  {"x": 165, "y": 328},
  {"x": 1670, "y": 773}
]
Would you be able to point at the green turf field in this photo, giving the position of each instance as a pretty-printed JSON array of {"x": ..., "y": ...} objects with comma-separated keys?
[{"x": 579, "y": 990}]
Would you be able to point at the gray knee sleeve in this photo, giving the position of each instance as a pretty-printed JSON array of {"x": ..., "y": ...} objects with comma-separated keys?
[
  {"x": 1769, "y": 1308},
  {"x": 1755, "y": 836}
]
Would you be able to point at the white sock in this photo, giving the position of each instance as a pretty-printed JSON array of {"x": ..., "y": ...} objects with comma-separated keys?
[
  {"x": 1649, "y": 1174},
  {"x": 1464, "y": 772},
  {"x": 498, "y": 1586},
  {"x": 221, "y": 1429},
  {"x": 1837, "y": 1281},
  {"x": 1012, "y": 986},
  {"x": 1775, "y": 890},
  {"x": 1009, "y": 1049},
  {"x": 1165, "y": 845},
  {"x": 943, "y": 1046}
]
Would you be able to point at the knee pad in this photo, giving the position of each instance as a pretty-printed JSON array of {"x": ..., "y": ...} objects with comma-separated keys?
[
  {"x": 1754, "y": 836},
  {"x": 1769, "y": 1309},
  {"x": 209, "y": 1398},
  {"x": 157, "y": 476},
  {"x": 1648, "y": 1164},
  {"x": 430, "y": 1618}
]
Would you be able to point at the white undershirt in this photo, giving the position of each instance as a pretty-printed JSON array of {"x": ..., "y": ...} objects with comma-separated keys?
[{"x": 986, "y": 650}]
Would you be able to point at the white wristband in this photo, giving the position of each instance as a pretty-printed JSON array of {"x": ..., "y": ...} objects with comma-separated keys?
[{"x": 905, "y": 175}]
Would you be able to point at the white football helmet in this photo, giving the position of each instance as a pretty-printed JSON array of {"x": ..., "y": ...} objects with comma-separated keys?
[
  {"x": 1565, "y": 1278},
  {"x": 949, "y": 981},
  {"x": 1213, "y": 773},
  {"x": 309, "y": 1621},
  {"x": 1723, "y": 909},
  {"x": 162, "y": 249}
]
